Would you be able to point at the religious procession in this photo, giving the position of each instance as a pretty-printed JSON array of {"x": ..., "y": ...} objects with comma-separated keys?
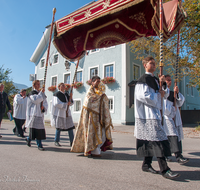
[{"x": 158, "y": 125}]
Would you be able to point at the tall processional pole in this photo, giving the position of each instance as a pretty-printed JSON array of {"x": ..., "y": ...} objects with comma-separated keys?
[
  {"x": 177, "y": 62},
  {"x": 72, "y": 86},
  {"x": 48, "y": 50},
  {"x": 161, "y": 49}
]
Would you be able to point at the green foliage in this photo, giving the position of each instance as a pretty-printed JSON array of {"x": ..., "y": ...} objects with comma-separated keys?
[
  {"x": 189, "y": 61},
  {"x": 4, "y": 74},
  {"x": 9, "y": 87}
]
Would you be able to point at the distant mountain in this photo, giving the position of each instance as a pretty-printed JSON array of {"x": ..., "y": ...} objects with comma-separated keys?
[{"x": 20, "y": 86}]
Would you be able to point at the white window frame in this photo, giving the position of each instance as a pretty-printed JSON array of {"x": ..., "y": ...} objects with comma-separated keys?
[
  {"x": 109, "y": 47},
  {"x": 104, "y": 65},
  {"x": 40, "y": 63},
  {"x": 51, "y": 80},
  {"x": 82, "y": 74},
  {"x": 139, "y": 68},
  {"x": 113, "y": 98},
  {"x": 53, "y": 59},
  {"x": 67, "y": 73},
  {"x": 50, "y": 106},
  {"x": 92, "y": 68},
  {"x": 78, "y": 99},
  {"x": 92, "y": 52}
]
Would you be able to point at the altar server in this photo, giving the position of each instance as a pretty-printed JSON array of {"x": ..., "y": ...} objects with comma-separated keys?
[
  {"x": 36, "y": 107},
  {"x": 173, "y": 123},
  {"x": 60, "y": 118},
  {"x": 19, "y": 111},
  {"x": 149, "y": 132}
]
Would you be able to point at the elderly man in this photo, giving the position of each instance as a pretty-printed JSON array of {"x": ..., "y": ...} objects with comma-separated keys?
[
  {"x": 93, "y": 132},
  {"x": 36, "y": 107},
  {"x": 19, "y": 111},
  {"x": 3, "y": 102}
]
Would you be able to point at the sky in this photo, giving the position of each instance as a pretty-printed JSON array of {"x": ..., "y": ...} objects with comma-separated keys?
[{"x": 22, "y": 23}]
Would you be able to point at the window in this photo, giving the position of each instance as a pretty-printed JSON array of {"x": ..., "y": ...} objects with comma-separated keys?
[
  {"x": 187, "y": 89},
  {"x": 55, "y": 59},
  {"x": 108, "y": 71},
  {"x": 136, "y": 72},
  {"x": 41, "y": 83},
  {"x": 79, "y": 76},
  {"x": 192, "y": 91},
  {"x": 42, "y": 62},
  {"x": 77, "y": 105},
  {"x": 67, "y": 78},
  {"x": 93, "y": 72},
  {"x": 54, "y": 81},
  {"x": 111, "y": 104}
]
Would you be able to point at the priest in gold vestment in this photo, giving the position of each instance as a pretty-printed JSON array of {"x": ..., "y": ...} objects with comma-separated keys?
[{"x": 93, "y": 132}]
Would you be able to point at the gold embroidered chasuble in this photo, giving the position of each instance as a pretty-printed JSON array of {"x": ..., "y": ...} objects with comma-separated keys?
[{"x": 95, "y": 115}]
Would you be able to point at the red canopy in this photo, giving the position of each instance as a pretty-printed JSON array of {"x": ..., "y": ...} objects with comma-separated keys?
[{"x": 111, "y": 22}]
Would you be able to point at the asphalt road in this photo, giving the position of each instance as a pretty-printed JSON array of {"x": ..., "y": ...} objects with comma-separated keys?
[{"x": 23, "y": 167}]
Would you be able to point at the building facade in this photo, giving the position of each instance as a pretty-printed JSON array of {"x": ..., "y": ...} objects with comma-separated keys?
[{"x": 117, "y": 62}]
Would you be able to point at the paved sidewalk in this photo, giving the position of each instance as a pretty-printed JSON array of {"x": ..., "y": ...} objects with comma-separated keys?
[{"x": 24, "y": 167}]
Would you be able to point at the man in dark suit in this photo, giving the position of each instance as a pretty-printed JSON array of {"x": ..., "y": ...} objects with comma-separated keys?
[{"x": 3, "y": 101}]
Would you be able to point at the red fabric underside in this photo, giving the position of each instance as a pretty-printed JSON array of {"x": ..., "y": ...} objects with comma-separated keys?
[{"x": 105, "y": 36}]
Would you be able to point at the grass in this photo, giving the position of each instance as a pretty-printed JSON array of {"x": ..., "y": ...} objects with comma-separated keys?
[{"x": 198, "y": 128}]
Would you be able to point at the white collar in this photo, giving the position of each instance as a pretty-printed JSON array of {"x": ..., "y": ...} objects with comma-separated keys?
[{"x": 148, "y": 73}]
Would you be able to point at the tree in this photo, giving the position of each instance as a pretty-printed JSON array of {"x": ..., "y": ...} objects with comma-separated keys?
[
  {"x": 189, "y": 45},
  {"x": 9, "y": 87}
]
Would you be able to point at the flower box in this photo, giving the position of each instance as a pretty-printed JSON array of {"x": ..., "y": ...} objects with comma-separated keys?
[
  {"x": 52, "y": 88},
  {"x": 78, "y": 85},
  {"x": 89, "y": 82},
  {"x": 68, "y": 86},
  {"x": 108, "y": 80}
]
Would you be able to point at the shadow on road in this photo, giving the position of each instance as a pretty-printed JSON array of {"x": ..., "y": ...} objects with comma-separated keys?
[{"x": 187, "y": 176}]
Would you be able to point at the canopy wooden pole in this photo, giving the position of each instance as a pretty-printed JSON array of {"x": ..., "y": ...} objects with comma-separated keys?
[
  {"x": 161, "y": 38},
  {"x": 72, "y": 86},
  {"x": 161, "y": 50},
  {"x": 48, "y": 50},
  {"x": 177, "y": 62}
]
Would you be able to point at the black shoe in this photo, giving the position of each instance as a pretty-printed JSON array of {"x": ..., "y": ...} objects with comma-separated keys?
[
  {"x": 28, "y": 142},
  {"x": 182, "y": 160},
  {"x": 57, "y": 144},
  {"x": 0, "y": 136},
  {"x": 71, "y": 143},
  {"x": 151, "y": 170},
  {"x": 168, "y": 159},
  {"x": 41, "y": 148},
  {"x": 170, "y": 175}
]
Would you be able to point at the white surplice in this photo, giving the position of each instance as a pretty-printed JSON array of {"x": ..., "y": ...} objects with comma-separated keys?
[
  {"x": 172, "y": 118},
  {"x": 19, "y": 107},
  {"x": 58, "y": 114},
  {"x": 147, "y": 113},
  {"x": 34, "y": 115}
]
